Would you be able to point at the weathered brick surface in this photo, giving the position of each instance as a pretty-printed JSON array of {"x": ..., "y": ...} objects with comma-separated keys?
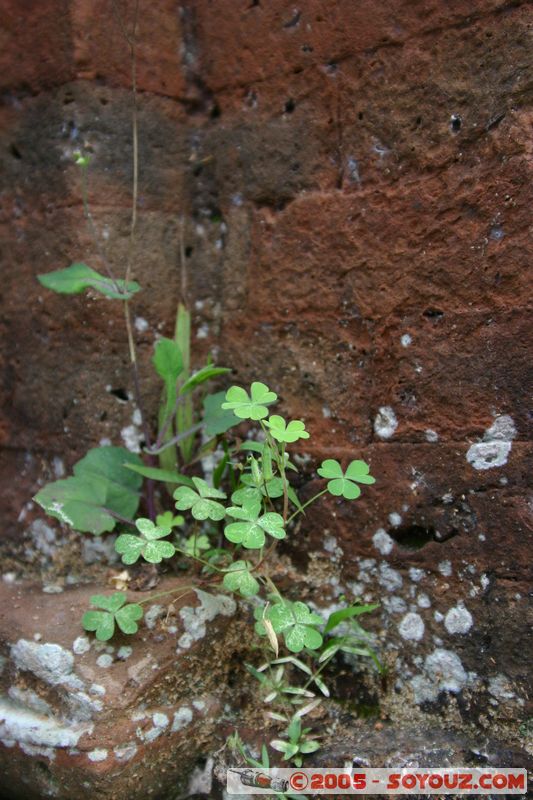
[{"x": 352, "y": 185}]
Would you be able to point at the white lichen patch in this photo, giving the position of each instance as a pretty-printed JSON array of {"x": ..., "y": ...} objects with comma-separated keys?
[
  {"x": 24, "y": 726},
  {"x": 495, "y": 446},
  {"x": 29, "y": 699},
  {"x": 423, "y": 600},
  {"x": 442, "y": 672},
  {"x": 132, "y": 438},
  {"x": 125, "y": 752},
  {"x": 385, "y": 422},
  {"x": 182, "y": 718},
  {"x": 105, "y": 660},
  {"x": 81, "y": 645},
  {"x": 141, "y": 325},
  {"x": 431, "y": 435},
  {"x": 389, "y": 578},
  {"x": 445, "y": 568},
  {"x": 395, "y": 519},
  {"x": 152, "y": 615},
  {"x": 382, "y": 541},
  {"x": 124, "y": 652},
  {"x": 406, "y": 340},
  {"x": 412, "y": 627},
  {"x": 195, "y": 618},
  {"x": 458, "y": 619},
  {"x": 100, "y": 754},
  {"x": 501, "y": 688},
  {"x": 50, "y": 662},
  {"x": 416, "y": 574},
  {"x": 394, "y": 605}
]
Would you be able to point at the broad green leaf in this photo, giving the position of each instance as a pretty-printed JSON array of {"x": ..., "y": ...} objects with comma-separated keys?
[
  {"x": 167, "y": 360},
  {"x": 216, "y": 419},
  {"x": 113, "y": 608},
  {"x": 250, "y": 406},
  {"x": 203, "y": 375},
  {"x": 156, "y": 474},
  {"x": 344, "y": 484},
  {"x": 239, "y": 579},
  {"x": 309, "y": 747},
  {"x": 101, "y": 487},
  {"x": 77, "y": 277},
  {"x": 337, "y": 617},
  {"x": 283, "y": 432}
]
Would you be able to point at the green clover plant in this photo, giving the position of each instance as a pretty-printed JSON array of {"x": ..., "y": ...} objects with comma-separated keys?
[
  {"x": 114, "y": 609},
  {"x": 244, "y": 448}
]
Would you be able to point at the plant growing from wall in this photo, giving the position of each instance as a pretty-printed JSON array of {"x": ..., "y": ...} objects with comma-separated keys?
[{"x": 248, "y": 501}]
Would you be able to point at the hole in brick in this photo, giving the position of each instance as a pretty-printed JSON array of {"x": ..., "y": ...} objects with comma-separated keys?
[
  {"x": 104, "y": 101},
  {"x": 360, "y": 115},
  {"x": 413, "y": 537},
  {"x": 120, "y": 394},
  {"x": 455, "y": 123},
  {"x": 290, "y": 105},
  {"x": 189, "y": 251},
  {"x": 15, "y": 152},
  {"x": 433, "y": 313},
  {"x": 215, "y": 111}
]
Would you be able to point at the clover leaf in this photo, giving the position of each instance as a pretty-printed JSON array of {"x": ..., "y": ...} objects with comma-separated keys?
[
  {"x": 253, "y": 491},
  {"x": 239, "y": 579},
  {"x": 167, "y": 518},
  {"x": 250, "y": 532},
  {"x": 286, "y": 433},
  {"x": 250, "y": 406},
  {"x": 295, "y": 621},
  {"x": 200, "y": 500},
  {"x": 146, "y": 545},
  {"x": 114, "y": 609},
  {"x": 345, "y": 483},
  {"x": 195, "y": 545}
]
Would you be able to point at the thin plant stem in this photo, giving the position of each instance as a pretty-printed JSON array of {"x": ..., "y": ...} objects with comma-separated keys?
[
  {"x": 308, "y": 503},
  {"x": 156, "y": 450}
]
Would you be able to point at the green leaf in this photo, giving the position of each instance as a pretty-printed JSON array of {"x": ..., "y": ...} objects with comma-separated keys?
[
  {"x": 167, "y": 360},
  {"x": 216, "y": 419},
  {"x": 147, "y": 545},
  {"x": 253, "y": 492},
  {"x": 345, "y": 483},
  {"x": 309, "y": 746},
  {"x": 113, "y": 609},
  {"x": 251, "y": 531},
  {"x": 77, "y": 277},
  {"x": 156, "y": 474},
  {"x": 296, "y": 622},
  {"x": 337, "y": 617},
  {"x": 200, "y": 501},
  {"x": 167, "y": 519},
  {"x": 100, "y": 487},
  {"x": 282, "y": 432},
  {"x": 253, "y": 406},
  {"x": 238, "y": 579},
  {"x": 203, "y": 375}
]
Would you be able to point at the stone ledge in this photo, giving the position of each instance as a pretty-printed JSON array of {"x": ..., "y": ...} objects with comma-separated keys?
[{"x": 120, "y": 719}]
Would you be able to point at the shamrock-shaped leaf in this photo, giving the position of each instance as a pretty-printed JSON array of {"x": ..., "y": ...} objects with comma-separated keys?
[
  {"x": 250, "y": 406},
  {"x": 345, "y": 483},
  {"x": 295, "y": 621},
  {"x": 195, "y": 545},
  {"x": 168, "y": 520},
  {"x": 253, "y": 492},
  {"x": 147, "y": 545},
  {"x": 239, "y": 579},
  {"x": 250, "y": 532},
  {"x": 286, "y": 433},
  {"x": 113, "y": 609},
  {"x": 201, "y": 501}
]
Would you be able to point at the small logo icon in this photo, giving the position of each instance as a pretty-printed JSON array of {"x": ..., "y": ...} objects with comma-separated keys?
[{"x": 252, "y": 777}]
